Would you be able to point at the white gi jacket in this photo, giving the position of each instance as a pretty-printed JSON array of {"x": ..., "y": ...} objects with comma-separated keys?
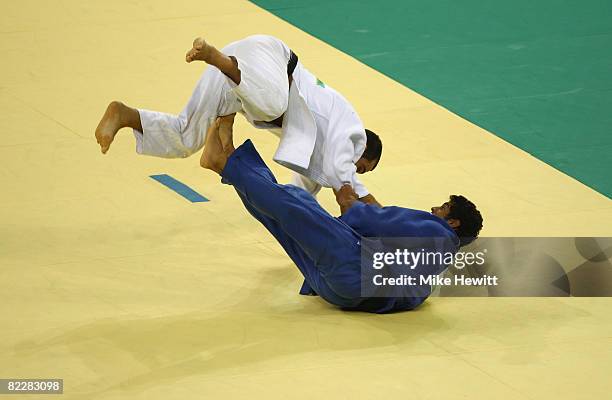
[{"x": 321, "y": 138}]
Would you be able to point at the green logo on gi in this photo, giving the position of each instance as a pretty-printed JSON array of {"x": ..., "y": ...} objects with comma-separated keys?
[{"x": 320, "y": 83}]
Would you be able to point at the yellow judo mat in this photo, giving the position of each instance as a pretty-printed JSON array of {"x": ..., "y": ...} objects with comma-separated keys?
[{"x": 125, "y": 290}]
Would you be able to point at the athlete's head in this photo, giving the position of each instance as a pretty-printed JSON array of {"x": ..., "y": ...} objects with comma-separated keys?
[
  {"x": 462, "y": 215},
  {"x": 371, "y": 155}
]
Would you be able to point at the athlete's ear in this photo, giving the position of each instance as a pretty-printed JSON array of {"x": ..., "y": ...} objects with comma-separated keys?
[{"x": 454, "y": 223}]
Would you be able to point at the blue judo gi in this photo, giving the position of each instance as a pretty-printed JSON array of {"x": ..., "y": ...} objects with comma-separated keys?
[{"x": 327, "y": 250}]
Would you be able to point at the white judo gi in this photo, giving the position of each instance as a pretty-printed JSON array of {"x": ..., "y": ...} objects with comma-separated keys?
[{"x": 321, "y": 136}]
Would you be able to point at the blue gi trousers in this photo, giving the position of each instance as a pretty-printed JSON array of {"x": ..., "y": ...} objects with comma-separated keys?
[{"x": 326, "y": 250}]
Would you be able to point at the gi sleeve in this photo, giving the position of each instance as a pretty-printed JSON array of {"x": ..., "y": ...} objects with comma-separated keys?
[
  {"x": 359, "y": 187},
  {"x": 343, "y": 151}
]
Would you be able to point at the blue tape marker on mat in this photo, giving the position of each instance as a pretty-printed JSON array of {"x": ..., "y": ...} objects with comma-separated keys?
[{"x": 180, "y": 188}]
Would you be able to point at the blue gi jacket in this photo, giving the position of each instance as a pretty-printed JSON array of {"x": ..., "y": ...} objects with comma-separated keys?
[{"x": 395, "y": 222}]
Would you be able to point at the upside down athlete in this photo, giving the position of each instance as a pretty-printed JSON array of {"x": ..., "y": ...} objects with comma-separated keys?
[{"x": 321, "y": 136}]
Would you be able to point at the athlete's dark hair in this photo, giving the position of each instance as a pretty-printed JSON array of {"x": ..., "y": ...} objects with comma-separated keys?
[
  {"x": 373, "y": 149},
  {"x": 471, "y": 220}
]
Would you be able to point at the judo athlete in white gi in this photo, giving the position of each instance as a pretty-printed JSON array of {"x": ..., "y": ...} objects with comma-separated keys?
[{"x": 321, "y": 137}]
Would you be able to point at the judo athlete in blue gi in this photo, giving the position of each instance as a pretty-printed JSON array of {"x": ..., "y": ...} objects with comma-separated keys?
[{"x": 327, "y": 250}]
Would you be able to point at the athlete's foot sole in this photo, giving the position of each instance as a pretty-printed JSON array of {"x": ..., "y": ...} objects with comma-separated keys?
[
  {"x": 200, "y": 51},
  {"x": 109, "y": 125}
]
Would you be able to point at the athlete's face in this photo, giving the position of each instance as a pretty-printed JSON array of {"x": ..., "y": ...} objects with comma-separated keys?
[
  {"x": 441, "y": 211},
  {"x": 364, "y": 165}
]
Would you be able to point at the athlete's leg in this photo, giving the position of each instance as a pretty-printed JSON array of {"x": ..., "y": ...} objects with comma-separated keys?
[
  {"x": 309, "y": 271},
  {"x": 332, "y": 246},
  {"x": 166, "y": 135},
  {"x": 203, "y": 51},
  {"x": 214, "y": 143},
  {"x": 325, "y": 240},
  {"x": 257, "y": 70}
]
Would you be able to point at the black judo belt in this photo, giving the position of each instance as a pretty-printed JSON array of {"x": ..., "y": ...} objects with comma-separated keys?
[{"x": 293, "y": 60}]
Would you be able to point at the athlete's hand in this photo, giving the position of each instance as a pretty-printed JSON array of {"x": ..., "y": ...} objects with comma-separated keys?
[{"x": 345, "y": 197}]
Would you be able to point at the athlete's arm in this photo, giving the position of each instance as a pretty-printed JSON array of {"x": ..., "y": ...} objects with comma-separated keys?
[
  {"x": 369, "y": 199},
  {"x": 345, "y": 197}
]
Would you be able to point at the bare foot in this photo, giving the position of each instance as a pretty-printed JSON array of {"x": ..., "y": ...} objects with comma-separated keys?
[
  {"x": 200, "y": 51},
  {"x": 213, "y": 157},
  {"x": 226, "y": 130},
  {"x": 109, "y": 125}
]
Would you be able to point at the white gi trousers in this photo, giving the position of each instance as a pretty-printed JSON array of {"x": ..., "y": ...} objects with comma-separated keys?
[{"x": 262, "y": 95}]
